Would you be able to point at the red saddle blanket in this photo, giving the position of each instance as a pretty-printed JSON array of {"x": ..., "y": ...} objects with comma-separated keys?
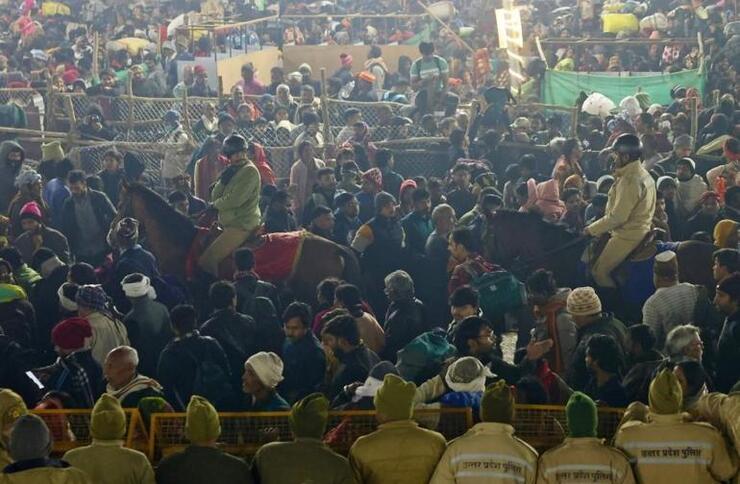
[{"x": 275, "y": 255}]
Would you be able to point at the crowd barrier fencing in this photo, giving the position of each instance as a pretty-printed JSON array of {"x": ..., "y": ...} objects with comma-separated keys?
[
  {"x": 71, "y": 429},
  {"x": 242, "y": 433}
]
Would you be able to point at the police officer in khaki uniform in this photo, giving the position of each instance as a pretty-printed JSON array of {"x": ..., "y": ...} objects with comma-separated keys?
[
  {"x": 583, "y": 457},
  {"x": 668, "y": 448}
]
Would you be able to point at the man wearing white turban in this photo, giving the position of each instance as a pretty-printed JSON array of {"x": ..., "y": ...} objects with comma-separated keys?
[{"x": 263, "y": 372}]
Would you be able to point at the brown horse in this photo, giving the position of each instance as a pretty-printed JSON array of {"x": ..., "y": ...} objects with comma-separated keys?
[
  {"x": 170, "y": 236},
  {"x": 523, "y": 242}
]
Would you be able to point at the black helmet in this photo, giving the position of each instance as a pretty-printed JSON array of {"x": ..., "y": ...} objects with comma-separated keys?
[
  {"x": 628, "y": 144},
  {"x": 233, "y": 144}
]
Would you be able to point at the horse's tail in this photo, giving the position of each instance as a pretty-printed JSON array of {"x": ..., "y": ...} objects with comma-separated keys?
[{"x": 352, "y": 272}]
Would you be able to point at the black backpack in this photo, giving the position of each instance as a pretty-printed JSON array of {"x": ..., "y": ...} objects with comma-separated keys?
[{"x": 210, "y": 382}]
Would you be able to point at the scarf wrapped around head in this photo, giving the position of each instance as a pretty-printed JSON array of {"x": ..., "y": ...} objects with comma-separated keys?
[
  {"x": 64, "y": 292},
  {"x": 373, "y": 175},
  {"x": 135, "y": 288},
  {"x": 92, "y": 296}
]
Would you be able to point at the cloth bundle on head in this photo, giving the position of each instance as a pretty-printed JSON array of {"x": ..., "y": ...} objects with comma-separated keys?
[
  {"x": 394, "y": 400},
  {"x": 730, "y": 285},
  {"x": 12, "y": 408},
  {"x": 345, "y": 59},
  {"x": 308, "y": 416},
  {"x": 92, "y": 296},
  {"x": 665, "y": 395},
  {"x": 467, "y": 374},
  {"x": 497, "y": 404},
  {"x": 71, "y": 334},
  {"x": 582, "y": 415},
  {"x": 52, "y": 151},
  {"x": 722, "y": 231},
  {"x": 138, "y": 285},
  {"x": 108, "y": 421},
  {"x": 26, "y": 178},
  {"x": 583, "y": 301},
  {"x": 29, "y": 439},
  {"x": 666, "y": 265},
  {"x": 374, "y": 380},
  {"x": 201, "y": 421},
  {"x": 373, "y": 175},
  {"x": 10, "y": 293},
  {"x": 268, "y": 366},
  {"x": 67, "y": 294},
  {"x": 31, "y": 210}
]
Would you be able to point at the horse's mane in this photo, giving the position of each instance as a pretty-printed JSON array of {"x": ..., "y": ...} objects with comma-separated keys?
[{"x": 174, "y": 222}]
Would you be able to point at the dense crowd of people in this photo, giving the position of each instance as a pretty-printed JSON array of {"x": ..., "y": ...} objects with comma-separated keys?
[{"x": 437, "y": 315}]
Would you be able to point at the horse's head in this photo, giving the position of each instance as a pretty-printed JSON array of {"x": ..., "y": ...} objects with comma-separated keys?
[{"x": 154, "y": 214}]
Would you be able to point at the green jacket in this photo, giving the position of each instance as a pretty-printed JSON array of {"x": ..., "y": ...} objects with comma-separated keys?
[
  {"x": 108, "y": 462},
  {"x": 310, "y": 461},
  {"x": 238, "y": 201},
  {"x": 397, "y": 453}
]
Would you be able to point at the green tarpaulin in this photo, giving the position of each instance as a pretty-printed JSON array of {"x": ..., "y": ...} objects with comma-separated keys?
[{"x": 563, "y": 88}]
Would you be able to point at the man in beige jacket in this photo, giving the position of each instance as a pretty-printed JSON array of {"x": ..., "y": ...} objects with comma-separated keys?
[
  {"x": 489, "y": 452},
  {"x": 629, "y": 210}
]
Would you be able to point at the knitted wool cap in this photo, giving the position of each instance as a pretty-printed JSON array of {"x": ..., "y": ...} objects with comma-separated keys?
[
  {"x": 730, "y": 285},
  {"x": 583, "y": 301},
  {"x": 12, "y": 407},
  {"x": 29, "y": 439},
  {"x": 382, "y": 200},
  {"x": 201, "y": 421},
  {"x": 31, "y": 210},
  {"x": 108, "y": 421},
  {"x": 666, "y": 265},
  {"x": 497, "y": 404},
  {"x": 394, "y": 399},
  {"x": 582, "y": 415},
  {"x": 722, "y": 231},
  {"x": 71, "y": 334},
  {"x": 308, "y": 416},
  {"x": 665, "y": 395},
  {"x": 268, "y": 366}
]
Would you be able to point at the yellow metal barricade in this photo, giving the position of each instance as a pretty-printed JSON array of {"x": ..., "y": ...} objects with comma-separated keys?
[
  {"x": 71, "y": 428},
  {"x": 545, "y": 426},
  {"x": 243, "y": 433}
]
